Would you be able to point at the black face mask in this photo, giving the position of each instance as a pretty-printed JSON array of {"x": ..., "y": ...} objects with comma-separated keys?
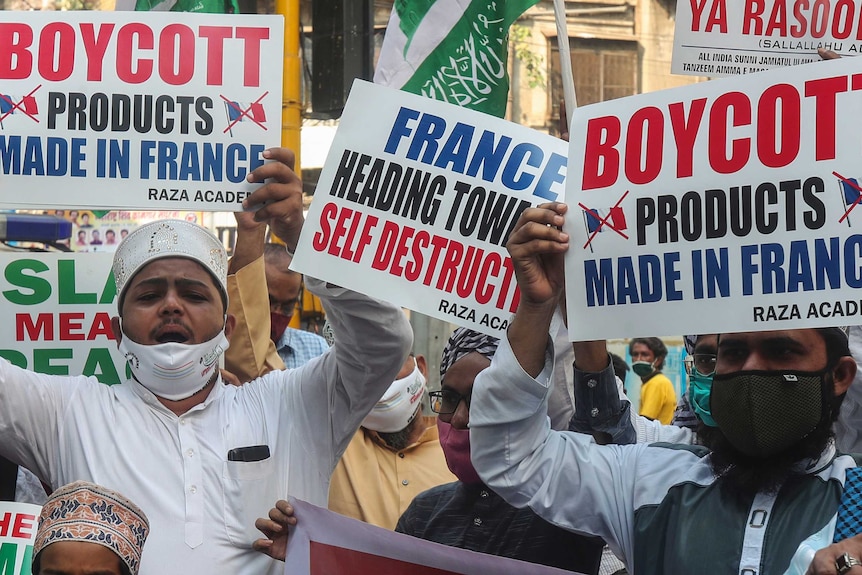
[{"x": 762, "y": 413}]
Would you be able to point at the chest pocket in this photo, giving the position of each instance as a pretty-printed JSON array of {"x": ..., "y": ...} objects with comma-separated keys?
[{"x": 250, "y": 491}]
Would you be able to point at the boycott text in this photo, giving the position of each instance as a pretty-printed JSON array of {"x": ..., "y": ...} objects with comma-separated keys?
[
  {"x": 775, "y": 116},
  {"x": 140, "y": 52}
]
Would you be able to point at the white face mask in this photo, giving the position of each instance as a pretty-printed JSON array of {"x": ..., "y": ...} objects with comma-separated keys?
[
  {"x": 396, "y": 408},
  {"x": 173, "y": 370}
]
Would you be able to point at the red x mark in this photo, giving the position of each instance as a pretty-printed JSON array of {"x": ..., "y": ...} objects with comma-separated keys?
[
  {"x": 602, "y": 221},
  {"x": 243, "y": 112},
  {"x": 856, "y": 201},
  {"x": 19, "y": 106}
]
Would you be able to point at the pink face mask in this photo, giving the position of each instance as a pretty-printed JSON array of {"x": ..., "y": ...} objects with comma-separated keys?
[
  {"x": 278, "y": 323},
  {"x": 456, "y": 449}
]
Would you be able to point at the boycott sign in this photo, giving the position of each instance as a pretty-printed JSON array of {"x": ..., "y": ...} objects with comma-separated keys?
[
  {"x": 732, "y": 37},
  {"x": 724, "y": 206},
  {"x": 58, "y": 308},
  {"x": 325, "y": 543},
  {"x": 417, "y": 199},
  {"x": 132, "y": 110},
  {"x": 18, "y": 524}
]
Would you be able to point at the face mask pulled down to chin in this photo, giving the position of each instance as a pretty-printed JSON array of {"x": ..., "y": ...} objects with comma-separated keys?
[{"x": 174, "y": 371}]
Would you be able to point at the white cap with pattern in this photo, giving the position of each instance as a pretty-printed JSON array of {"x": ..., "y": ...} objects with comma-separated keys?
[{"x": 169, "y": 239}]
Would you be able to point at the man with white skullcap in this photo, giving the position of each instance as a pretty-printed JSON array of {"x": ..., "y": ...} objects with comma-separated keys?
[
  {"x": 393, "y": 457},
  {"x": 203, "y": 459},
  {"x": 86, "y": 528}
]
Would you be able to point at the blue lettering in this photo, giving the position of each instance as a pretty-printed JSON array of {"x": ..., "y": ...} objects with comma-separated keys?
[
  {"x": 749, "y": 268},
  {"x": 457, "y": 148},
  {"x": 488, "y": 156},
  {"x": 524, "y": 151},
  {"x": 400, "y": 129},
  {"x": 599, "y": 286},
  {"x": 429, "y": 130},
  {"x": 799, "y": 270},
  {"x": 553, "y": 173}
]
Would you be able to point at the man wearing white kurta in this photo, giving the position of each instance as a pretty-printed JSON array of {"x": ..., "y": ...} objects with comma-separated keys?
[{"x": 171, "y": 438}]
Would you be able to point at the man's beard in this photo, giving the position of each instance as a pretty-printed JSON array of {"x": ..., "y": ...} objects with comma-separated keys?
[
  {"x": 744, "y": 475},
  {"x": 399, "y": 440}
]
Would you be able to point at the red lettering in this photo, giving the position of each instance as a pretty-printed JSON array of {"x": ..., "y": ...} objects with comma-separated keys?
[
  {"x": 843, "y": 16},
  {"x": 717, "y": 17},
  {"x": 215, "y": 37},
  {"x": 131, "y": 39},
  {"x": 508, "y": 278},
  {"x": 644, "y": 154},
  {"x": 768, "y": 126},
  {"x": 752, "y": 23},
  {"x": 365, "y": 238},
  {"x": 819, "y": 18},
  {"x": 449, "y": 267},
  {"x": 777, "y": 20},
  {"x": 320, "y": 239},
  {"x": 718, "y": 120},
  {"x": 252, "y": 38},
  {"x": 469, "y": 271},
  {"x": 5, "y": 522},
  {"x": 696, "y": 11},
  {"x": 68, "y": 323},
  {"x": 347, "y": 253},
  {"x": 16, "y": 61},
  {"x": 437, "y": 243},
  {"x": 485, "y": 292},
  {"x": 414, "y": 267},
  {"x": 27, "y": 329},
  {"x": 799, "y": 9},
  {"x": 176, "y": 46},
  {"x": 388, "y": 237},
  {"x": 600, "y": 153},
  {"x": 340, "y": 230},
  {"x": 685, "y": 133},
  {"x": 94, "y": 47},
  {"x": 23, "y": 527},
  {"x": 56, "y": 51},
  {"x": 101, "y": 326},
  {"x": 824, "y": 91},
  {"x": 401, "y": 250}
]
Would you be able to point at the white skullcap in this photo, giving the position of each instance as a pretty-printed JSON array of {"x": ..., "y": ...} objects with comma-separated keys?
[{"x": 169, "y": 239}]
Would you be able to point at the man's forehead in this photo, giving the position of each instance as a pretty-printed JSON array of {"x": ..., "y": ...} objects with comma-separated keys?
[
  {"x": 172, "y": 267},
  {"x": 758, "y": 337}
]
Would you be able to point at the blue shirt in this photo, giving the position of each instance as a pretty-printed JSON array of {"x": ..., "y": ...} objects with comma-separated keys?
[{"x": 297, "y": 347}]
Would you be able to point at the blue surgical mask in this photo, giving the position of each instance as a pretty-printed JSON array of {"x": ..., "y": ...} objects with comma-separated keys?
[{"x": 699, "y": 389}]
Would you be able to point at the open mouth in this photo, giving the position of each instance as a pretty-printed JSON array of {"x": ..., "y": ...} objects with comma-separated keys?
[{"x": 172, "y": 337}]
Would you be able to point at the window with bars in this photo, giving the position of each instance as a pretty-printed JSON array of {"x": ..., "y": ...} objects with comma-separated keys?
[{"x": 602, "y": 70}]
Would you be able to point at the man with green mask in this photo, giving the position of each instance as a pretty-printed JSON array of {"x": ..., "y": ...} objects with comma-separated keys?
[
  {"x": 760, "y": 494},
  {"x": 657, "y": 394}
]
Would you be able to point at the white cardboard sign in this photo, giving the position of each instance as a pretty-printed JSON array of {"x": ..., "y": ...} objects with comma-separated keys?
[
  {"x": 416, "y": 201},
  {"x": 136, "y": 110},
  {"x": 731, "y": 205},
  {"x": 733, "y": 37}
]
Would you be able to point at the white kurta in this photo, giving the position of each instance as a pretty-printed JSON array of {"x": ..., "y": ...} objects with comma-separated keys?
[{"x": 201, "y": 506}]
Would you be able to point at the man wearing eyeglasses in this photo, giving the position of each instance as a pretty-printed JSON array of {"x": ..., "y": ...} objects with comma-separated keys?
[
  {"x": 466, "y": 513},
  {"x": 760, "y": 497}
]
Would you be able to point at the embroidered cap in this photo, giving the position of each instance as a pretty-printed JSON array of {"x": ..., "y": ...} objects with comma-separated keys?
[
  {"x": 169, "y": 239},
  {"x": 83, "y": 511}
]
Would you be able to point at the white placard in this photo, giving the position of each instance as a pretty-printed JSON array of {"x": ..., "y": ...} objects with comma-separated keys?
[{"x": 136, "y": 110}]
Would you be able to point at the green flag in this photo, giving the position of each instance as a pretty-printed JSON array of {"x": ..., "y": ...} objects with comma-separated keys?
[
  {"x": 208, "y": 6},
  {"x": 451, "y": 50}
]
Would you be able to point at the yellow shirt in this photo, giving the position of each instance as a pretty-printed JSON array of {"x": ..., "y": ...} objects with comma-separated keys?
[
  {"x": 251, "y": 353},
  {"x": 374, "y": 484},
  {"x": 658, "y": 399}
]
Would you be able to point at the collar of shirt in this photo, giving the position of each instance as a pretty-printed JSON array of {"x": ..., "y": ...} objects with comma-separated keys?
[{"x": 152, "y": 400}]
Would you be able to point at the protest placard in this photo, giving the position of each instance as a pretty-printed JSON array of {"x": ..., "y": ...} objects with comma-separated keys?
[
  {"x": 323, "y": 542},
  {"x": 126, "y": 110},
  {"x": 58, "y": 309},
  {"x": 723, "y": 206},
  {"x": 733, "y": 37},
  {"x": 18, "y": 524},
  {"x": 417, "y": 199}
]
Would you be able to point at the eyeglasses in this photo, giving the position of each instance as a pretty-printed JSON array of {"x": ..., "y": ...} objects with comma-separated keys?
[
  {"x": 704, "y": 363},
  {"x": 446, "y": 401}
]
